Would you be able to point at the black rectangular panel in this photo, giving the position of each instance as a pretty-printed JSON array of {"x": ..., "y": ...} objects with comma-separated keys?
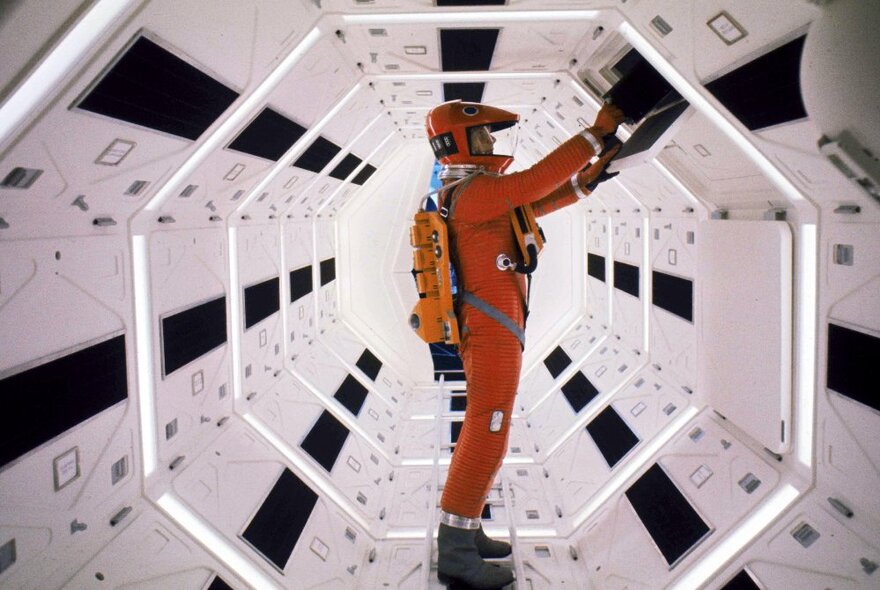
[
  {"x": 596, "y": 266},
  {"x": 674, "y": 294},
  {"x": 260, "y": 301},
  {"x": 279, "y": 522},
  {"x": 300, "y": 282},
  {"x": 741, "y": 581},
  {"x": 667, "y": 515},
  {"x": 47, "y": 400},
  {"x": 466, "y": 50},
  {"x": 219, "y": 584},
  {"x": 325, "y": 440},
  {"x": 191, "y": 333},
  {"x": 345, "y": 167},
  {"x": 557, "y": 361},
  {"x": 774, "y": 88},
  {"x": 317, "y": 155},
  {"x": 328, "y": 271},
  {"x": 487, "y": 512},
  {"x": 612, "y": 435},
  {"x": 455, "y": 431},
  {"x": 466, "y": 91},
  {"x": 852, "y": 365},
  {"x": 364, "y": 175},
  {"x": 650, "y": 130},
  {"x": 458, "y": 403},
  {"x": 640, "y": 87},
  {"x": 151, "y": 87},
  {"x": 268, "y": 136},
  {"x": 351, "y": 394},
  {"x": 579, "y": 391},
  {"x": 369, "y": 364},
  {"x": 626, "y": 278}
]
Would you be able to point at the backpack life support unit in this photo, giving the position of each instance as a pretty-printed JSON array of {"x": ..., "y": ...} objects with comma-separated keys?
[{"x": 433, "y": 318}]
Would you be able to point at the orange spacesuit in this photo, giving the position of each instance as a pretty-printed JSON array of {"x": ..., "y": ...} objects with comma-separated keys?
[{"x": 492, "y": 303}]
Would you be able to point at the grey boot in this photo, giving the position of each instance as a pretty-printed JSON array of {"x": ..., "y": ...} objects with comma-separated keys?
[
  {"x": 490, "y": 548},
  {"x": 459, "y": 561}
]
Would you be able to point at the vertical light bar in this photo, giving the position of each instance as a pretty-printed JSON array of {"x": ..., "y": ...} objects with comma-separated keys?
[
  {"x": 58, "y": 64},
  {"x": 214, "y": 542},
  {"x": 708, "y": 567},
  {"x": 806, "y": 343},
  {"x": 144, "y": 347},
  {"x": 647, "y": 284},
  {"x": 235, "y": 322}
]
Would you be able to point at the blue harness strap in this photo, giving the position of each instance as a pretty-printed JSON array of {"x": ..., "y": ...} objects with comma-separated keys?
[{"x": 496, "y": 314}]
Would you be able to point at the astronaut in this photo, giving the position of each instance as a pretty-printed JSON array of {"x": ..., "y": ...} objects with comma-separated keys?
[{"x": 492, "y": 301}]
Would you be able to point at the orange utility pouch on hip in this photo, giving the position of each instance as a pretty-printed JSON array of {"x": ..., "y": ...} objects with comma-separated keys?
[
  {"x": 433, "y": 317},
  {"x": 529, "y": 237}
]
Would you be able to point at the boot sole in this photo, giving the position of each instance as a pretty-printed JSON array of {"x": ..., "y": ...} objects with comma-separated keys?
[{"x": 447, "y": 580}]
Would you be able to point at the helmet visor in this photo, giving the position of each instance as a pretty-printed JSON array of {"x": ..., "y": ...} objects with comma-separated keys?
[{"x": 493, "y": 140}]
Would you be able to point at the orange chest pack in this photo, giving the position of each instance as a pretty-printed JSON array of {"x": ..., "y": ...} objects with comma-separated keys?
[{"x": 433, "y": 318}]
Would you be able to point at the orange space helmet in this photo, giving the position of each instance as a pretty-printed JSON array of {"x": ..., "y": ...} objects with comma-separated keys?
[{"x": 449, "y": 125}]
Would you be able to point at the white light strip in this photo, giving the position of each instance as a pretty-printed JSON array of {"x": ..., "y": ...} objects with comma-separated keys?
[
  {"x": 647, "y": 284},
  {"x": 404, "y": 535},
  {"x": 634, "y": 464},
  {"x": 462, "y": 77},
  {"x": 214, "y": 542},
  {"x": 144, "y": 347},
  {"x": 302, "y": 144},
  {"x": 806, "y": 343},
  {"x": 233, "y": 121},
  {"x": 58, "y": 64},
  {"x": 698, "y": 101},
  {"x": 469, "y": 17},
  {"x": 688, "y": 194},
  {"x": 312, "y": 474},
  {"x": 529, "y": 533},
  {"x": 235, "y": 322},
  {"x": 708, "y": 567}
]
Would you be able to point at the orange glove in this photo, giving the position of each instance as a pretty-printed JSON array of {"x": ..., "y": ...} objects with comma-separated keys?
[{"x": 607, "y": 120}]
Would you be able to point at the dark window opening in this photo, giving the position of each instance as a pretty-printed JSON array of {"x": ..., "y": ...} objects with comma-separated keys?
[
  {"x": 579, "y": 391},
  {"x": 667, "y": 515},
  {"x": 153, "y": 88},
  {"x": 45, "y": 401},
  {"x": 261, "y": 301},
  {"x": 192, "y": 333},
  {"x": 674, "y": 294},
  {"x": 467, "y": 50}
]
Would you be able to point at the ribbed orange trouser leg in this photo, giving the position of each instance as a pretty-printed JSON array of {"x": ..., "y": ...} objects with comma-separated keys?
[{"x": 492, "y": 358}]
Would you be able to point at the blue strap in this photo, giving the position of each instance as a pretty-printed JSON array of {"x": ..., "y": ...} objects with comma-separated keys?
[{"x": 496, "y": 314}]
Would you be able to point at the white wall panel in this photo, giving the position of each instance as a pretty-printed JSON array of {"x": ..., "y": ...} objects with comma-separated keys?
[
  {"x": 615, "y": 544},
  {"x": 673, "y": 339},
  {"x": 189, "y": 268},
  {"x": 227, "y": 484},
  {"x": 831, "y": 556},
  {"x": 261, "y": 345},
  {"x": 628, "y": 311},
  {"x": 598, "y": 291},
  {"x": 152, "y": 553}
]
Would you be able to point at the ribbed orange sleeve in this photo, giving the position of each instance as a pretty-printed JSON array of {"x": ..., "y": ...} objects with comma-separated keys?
[
  {"x": 494, "y": 196},
  {"x": 561, "y": 197}
]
